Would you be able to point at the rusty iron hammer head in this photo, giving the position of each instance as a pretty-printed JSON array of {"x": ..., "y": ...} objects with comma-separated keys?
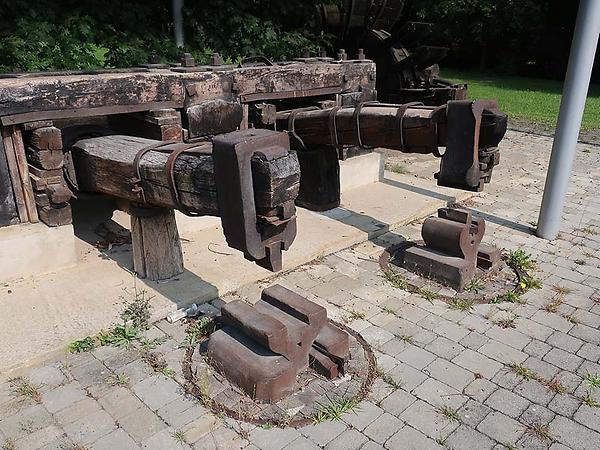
[{"x": 454, "y": 232}]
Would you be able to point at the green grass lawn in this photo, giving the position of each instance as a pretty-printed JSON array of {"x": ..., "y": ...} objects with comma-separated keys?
[{"x": 530, "y": 99}]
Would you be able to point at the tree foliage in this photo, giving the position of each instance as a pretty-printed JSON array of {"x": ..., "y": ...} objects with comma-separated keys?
[
  {"x": 69, "y": 34},
  {"x": 510, "y": 36}
]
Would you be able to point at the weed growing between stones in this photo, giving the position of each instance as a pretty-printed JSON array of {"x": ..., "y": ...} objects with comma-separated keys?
[
  {"x": 23, "y": 387},
  {"x": 334, "y": 410},
  {"x": 396, "y": 279},
  {"x": 196, "y": 331},
  {"x": 449, "y": 413},
  {"x": 593, "y": 380},
  {"x": 539, "y": 430},
  {"x": 459, "y": 304},
  {"x": 118, "y": 379}
]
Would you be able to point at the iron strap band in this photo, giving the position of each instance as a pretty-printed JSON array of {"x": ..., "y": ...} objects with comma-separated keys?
[
  {"x": 292, "y": 124},
  {"x": 137, "y": 181},
  {"x": 175, "y": 150},
  {"x": 333, "y": 135}
]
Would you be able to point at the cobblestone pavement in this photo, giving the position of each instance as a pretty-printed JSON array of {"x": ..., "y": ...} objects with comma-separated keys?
[{"x": 467, "y": 382}]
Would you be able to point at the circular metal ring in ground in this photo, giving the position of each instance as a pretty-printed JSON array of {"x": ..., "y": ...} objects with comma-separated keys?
[
  {"x": 491, "y": 287},
  {"x": 297, "y": 410}
]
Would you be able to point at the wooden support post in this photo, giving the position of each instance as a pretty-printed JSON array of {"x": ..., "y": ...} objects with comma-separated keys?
[
  {"x": 319, "y": 178},
  {"x": 19, "y": 174},
  {"x": 8, "y": 208},
  {"x": 157, "y": 253}
]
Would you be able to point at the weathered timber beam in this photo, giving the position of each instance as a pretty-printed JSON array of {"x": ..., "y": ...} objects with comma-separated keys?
[
  {"x": 106, "y": 165},
  {"x": 420, "y": 129},
  {"x": 28, "y": 98}
]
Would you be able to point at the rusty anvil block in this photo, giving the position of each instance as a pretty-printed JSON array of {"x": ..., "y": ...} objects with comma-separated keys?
[
  {"x": 452, "y": 249},
  {"x": 262, "y": 348},
  {"x": 232, "y": 155}
]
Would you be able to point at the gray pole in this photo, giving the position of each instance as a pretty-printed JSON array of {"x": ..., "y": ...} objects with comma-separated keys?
[
  {"x": 178, "y": 22},
  {"x": 577, "y": 82}
]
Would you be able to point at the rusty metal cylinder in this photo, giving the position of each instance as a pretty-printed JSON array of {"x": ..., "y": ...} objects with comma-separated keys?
[{"x": 446, "y": 236}]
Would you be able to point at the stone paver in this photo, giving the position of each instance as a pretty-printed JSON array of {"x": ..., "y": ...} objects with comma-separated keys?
[{"x": 457, "y": 389}]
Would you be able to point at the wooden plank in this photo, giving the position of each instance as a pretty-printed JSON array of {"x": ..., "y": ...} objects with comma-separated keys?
[
  {"x": 19, "y": 147},
  {"x": 8, "y": 208},
  {"x": 13, "y": 171},
  {"x": 299, "y": 93},
  {"x": 85, "y": 112}
]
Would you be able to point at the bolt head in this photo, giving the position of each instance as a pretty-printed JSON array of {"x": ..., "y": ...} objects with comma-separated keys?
[
  {"x": 187, "y": 60},
  {"x": 216, "y": 60}
]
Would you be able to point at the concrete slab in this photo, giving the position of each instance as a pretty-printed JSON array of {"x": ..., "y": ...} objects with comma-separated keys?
[
  {"x": 41, "y": 315},
  {"x": 35, "y": 248}
]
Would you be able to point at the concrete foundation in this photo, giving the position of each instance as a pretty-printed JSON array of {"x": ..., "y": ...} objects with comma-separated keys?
[{"x": 35, "y": 249}]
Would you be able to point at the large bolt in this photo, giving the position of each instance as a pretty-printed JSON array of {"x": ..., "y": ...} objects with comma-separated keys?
[
  {"x": 153, "y": 58},
  {"x": 187, "y": 60},
  {"x": 361, "y": 54},
  {"x": 342, "y": 56},
  {"x": 305, "y": 53},
  {"x": 322, "y": 53},
  {"x": 216, "y": 60}
]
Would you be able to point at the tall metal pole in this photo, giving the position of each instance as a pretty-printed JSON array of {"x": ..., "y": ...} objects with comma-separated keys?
[
  {"x": 577, "y": 82},
  {"x": 178, "y": 22}
]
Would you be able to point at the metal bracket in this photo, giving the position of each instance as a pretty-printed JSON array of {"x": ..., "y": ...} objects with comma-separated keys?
[{"x": 232, "y": 154}]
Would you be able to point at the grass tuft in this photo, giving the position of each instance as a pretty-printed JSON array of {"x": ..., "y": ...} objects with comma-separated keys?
[
  {"x": 588, "y": 400},
  {"x": 428, "y": 295},
  {"x": 510, "y": 297},
  {"x": 23, "y": 387},
  {"x": 539, "y": 430},
  {"x": 476, "y": 285},
  {"x": 571, "y": 318},
  {"x": 561, "y": 290},
  {"x": 406, "y": 338},
  {"x": 396, "y": 279},
  {"x": 449, "y": 413},
  {"x": 387, "y": 378},
  {"x": 179, "y": 437},
  {"x": 460, "y": 304},
  {"x": 397, "y": 168},
  {"x": 118, "y": 379},
  {"x": 506, "y": 322},
  {"x": 554, "y": 385},
  {"x": 334, "y": 410},
  {"x": 553, "y": 306},
  {"x": 523, "y": 372},
  {"x": 593, "y": 380}
]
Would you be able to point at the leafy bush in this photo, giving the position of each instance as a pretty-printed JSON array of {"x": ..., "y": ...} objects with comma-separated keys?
[{"x": 67, "y": 34}]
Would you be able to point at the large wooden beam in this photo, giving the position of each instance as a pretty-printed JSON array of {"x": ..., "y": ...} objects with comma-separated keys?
[
  {"x": 106, "y": 165},
  {"x": 411, "y": 129}
]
